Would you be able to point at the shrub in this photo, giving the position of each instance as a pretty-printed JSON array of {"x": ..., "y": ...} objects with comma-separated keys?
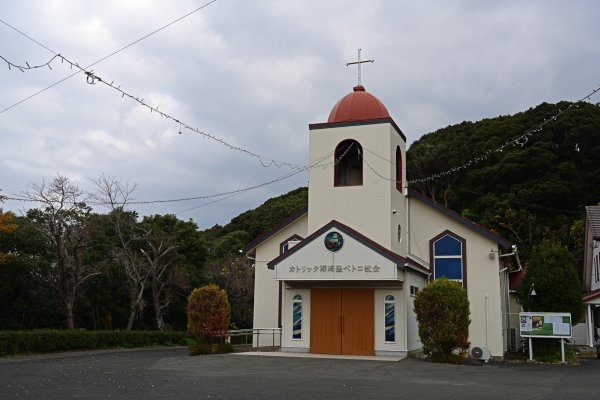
[
  {"x": 442, "y": 309},
  {"x": 208, "y": 314},
  {"x": 55, "y": 340}
]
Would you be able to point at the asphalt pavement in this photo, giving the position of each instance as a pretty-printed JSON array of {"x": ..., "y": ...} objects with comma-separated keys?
[{"x": 172, "y": 374}]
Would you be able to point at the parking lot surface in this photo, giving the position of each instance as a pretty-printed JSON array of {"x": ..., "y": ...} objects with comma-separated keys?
[{"x": 172, "y": 374}]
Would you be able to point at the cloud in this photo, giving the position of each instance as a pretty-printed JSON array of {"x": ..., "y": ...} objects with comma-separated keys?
[{"x": 256, "y": 74}]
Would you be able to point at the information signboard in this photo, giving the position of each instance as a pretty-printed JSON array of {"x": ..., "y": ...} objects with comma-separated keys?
[{"x": 545, "y": 325}]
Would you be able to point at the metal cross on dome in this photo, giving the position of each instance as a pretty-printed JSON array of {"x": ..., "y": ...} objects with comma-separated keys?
[{"x": 358, "y": 63}]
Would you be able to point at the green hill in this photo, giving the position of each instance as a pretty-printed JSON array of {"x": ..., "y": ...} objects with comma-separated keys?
[{"x": 528, "y": 192}]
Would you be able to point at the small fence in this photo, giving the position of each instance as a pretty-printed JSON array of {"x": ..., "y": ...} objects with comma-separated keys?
[{"x": 244, "y": 337}]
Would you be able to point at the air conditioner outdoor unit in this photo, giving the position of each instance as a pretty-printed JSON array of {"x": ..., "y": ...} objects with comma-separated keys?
[{"x": 480, "y": 352}]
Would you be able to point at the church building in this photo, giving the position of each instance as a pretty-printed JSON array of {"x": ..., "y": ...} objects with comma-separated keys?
[{"x": 340, "y": 277}]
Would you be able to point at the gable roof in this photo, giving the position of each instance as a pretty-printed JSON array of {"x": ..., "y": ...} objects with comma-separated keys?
[
  {"x": 285, "y": 222},
  {"x": 591, "y": 295},
  {"x": 505, "y": 243},
  {"x": 593, "y": 220},
  {"x": 359, "y": 237}
]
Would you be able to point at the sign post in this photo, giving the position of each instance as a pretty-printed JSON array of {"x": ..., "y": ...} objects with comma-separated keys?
[{"x": 545, "y": 325}]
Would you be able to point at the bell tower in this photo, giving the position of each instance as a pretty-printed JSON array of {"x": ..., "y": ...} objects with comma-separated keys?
[{"x": 359, "y": 170}]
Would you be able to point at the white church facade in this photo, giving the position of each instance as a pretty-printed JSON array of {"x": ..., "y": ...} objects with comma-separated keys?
[{"x": 340, "y": 276}]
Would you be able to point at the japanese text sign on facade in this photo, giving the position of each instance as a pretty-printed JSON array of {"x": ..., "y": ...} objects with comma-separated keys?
[{"x": 315, "y": 269}]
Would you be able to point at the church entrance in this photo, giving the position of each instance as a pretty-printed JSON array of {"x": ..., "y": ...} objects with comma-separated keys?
[{"x": 342, "y": 321}]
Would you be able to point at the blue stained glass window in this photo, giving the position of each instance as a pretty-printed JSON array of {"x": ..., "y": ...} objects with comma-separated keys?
[
  {"x": 447, "y": 258},
  {"x": 390, "y": 319},
  {"x": 447, "y": 246},
  {"x": 448, "y": 267},
  {"x": 297, "y": 317}
]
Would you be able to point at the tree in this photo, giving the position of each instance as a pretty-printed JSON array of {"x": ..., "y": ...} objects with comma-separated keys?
[
  {"x": 208, "y": 314},
  {"x": 529, "y": 191},
  {"x": 27, "y": 300},
  {"x": 442, "y": 309},
  {"x": 115, "y": 195},
  {"x": 6, "y": 227},
  {"x": 62, "y": 218},
  {"x": 236, "y": 276},
  {"x": 551, "y": 272}
]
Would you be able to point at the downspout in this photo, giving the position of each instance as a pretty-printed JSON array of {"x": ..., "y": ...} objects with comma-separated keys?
[{"x": 407, "y": 212}]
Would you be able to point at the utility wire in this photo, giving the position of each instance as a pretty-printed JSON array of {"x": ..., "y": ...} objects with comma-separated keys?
[
  {"x": 518, "y": 141},
  {"x": 93, "y": 78},
  {"x": 316, "y": 164},
  {"x": 100, "y": 60}
]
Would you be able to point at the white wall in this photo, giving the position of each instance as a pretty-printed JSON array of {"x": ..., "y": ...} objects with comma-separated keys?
[
  {"x": 288, "y": 343},
  {"x": 381, "y": 346},
  {"x": 483, "y": 279},
  {"x": 266, "y": 288},
  {"x": 412, "y": 328},
  {"x": 367, "y": 208}
]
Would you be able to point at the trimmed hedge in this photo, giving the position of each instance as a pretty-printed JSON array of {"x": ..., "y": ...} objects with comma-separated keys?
[{"x": 55, "y": 340}]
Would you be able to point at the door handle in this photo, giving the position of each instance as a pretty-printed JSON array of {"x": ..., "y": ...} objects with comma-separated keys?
[{"x": 342, "y": 324}]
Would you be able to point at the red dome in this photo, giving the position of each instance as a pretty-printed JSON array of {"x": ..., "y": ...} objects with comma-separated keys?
[{"x": 358, "y": 106}]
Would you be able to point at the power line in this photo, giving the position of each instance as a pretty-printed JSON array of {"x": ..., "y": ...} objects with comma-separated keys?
[
  {"x": 93, "y": 78},
  {"x": 317, "y": 163},
  {"x": 518, "y": 141},
  {"x": 100, "y": 60}
]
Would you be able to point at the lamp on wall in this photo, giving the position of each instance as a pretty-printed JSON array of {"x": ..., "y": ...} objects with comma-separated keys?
[
  {"x": 532, "y": 290},
  {"x": 492, "y": 254}
]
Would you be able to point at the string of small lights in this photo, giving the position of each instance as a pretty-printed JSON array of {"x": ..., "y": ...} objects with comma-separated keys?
[
  {"x": 92, "y": 79},
  {"x": 521, "y": 141},
  {"x": 25, "y": 67},
  {"x": 96, "y": 62}
]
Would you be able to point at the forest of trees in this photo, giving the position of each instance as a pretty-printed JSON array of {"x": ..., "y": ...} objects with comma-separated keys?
[
  {"x": 526, "y": 193},
  {"x": 63, "y": 265}
]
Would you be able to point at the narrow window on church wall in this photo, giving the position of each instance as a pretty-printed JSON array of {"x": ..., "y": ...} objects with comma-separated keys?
[
  {"x": 348, "y": 160},
  {"x": 390, "y": 318},
  {"x": 297, "y": 317},
  {"x": 398, "y": 169},
  {"x": 448, "y": 258}
]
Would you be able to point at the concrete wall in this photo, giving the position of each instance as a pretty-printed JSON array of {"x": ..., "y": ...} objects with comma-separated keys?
[
  {"x": 266, "y": 288},
  {"x": 367, "y": 208},
  {"x": 288, "y": 343},
  {"x": 399, "y": 345},
  {"x": 483, "y": 279},
  {"x": 412, "y": 328}
]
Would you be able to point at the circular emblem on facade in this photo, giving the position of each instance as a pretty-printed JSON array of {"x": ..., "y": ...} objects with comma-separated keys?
[{"x": 334, "y": 241}]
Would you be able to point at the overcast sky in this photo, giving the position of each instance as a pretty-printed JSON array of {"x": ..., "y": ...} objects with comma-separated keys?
[{"x": 256, "y": 73}]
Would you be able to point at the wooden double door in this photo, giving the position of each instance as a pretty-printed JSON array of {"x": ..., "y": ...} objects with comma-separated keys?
[{"x": 341, "y": 321}]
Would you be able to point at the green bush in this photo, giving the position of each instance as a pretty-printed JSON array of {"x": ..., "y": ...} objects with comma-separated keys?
[
  {"x": 208, "y": 314},
  {"x": 55, "y": 340},
  {"x": 442, "y": 309}
]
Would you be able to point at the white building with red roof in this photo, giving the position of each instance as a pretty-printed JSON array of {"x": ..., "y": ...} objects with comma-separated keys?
[
  {"x": 591, "y": 277},
  {"x": 340, "y": 277}
]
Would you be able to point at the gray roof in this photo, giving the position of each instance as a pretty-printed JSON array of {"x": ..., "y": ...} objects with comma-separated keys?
[{"x": 593, "y": 219}]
